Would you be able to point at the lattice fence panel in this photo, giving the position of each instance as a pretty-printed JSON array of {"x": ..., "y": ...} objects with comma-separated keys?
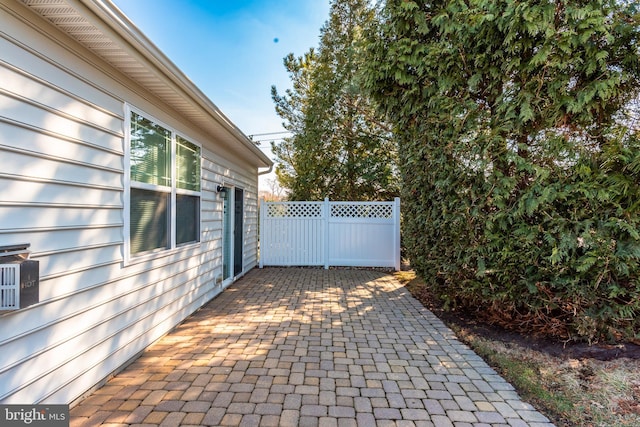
[
  {"x": 345, "y": 210},
  {"x": 294, "y": 210}
]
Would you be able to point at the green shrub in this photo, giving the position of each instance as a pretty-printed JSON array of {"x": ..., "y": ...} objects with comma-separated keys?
[
  {"x": 559, "y": 255},
  {"x": 520, "y": 186}
]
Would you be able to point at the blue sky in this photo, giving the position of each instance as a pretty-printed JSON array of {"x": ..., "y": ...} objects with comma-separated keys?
[{"x": 233, "y": 50}]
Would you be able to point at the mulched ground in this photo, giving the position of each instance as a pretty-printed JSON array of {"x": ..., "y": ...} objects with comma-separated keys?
[
  {"x": 569, "y": 350},
  {"x": 553, "y": 347}
]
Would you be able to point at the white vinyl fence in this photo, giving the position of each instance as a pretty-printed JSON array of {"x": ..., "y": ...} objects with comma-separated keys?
[{"x": 355, "y": 234}]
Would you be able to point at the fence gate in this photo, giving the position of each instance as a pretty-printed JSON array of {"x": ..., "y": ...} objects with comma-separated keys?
[{"x": 355, "y": 234}]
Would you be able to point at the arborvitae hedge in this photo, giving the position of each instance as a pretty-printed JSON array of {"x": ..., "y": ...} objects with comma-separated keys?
[{"x": 521, "y": 181}]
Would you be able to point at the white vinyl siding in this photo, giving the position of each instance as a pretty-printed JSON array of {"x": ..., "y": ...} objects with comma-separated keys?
[{"x": 62, "y": 145}]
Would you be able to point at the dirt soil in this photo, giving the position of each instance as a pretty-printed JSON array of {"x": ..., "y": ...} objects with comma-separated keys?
[
  {"x": 568, "y": 350},
  {"x": 552, "y": 347}
]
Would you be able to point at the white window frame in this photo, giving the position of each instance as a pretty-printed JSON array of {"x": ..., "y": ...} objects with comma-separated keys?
[{"x": 130, "y": 258}]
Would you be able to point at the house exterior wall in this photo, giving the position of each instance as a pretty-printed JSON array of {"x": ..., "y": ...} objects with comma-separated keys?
[{"x": 62, "y": 189}]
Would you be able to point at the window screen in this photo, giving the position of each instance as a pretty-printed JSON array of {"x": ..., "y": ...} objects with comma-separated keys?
[
  {"x": 149, "y": 220},
  {"x": 187, "y": 165},
  {"x": 187, "y": 219},
  {"x": 150, "y": 152}
]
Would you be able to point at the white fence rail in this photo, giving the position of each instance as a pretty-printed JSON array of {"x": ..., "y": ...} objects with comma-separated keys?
[{"x": 355, "y": 234}]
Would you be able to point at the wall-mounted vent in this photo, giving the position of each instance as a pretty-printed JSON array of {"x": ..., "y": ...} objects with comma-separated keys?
[
  {"x": 19, "y": 277},
  {"x": 19, "y": 284},
  {"x": 9, "y": 287}
]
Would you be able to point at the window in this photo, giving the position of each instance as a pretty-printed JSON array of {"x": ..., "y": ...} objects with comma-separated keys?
[{"x": 164, "y": 193}]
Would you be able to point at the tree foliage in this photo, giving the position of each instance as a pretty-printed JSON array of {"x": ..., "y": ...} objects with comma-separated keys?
[
  {"x": 340, "y": 148},
  {"x": 520, "y": 187}
]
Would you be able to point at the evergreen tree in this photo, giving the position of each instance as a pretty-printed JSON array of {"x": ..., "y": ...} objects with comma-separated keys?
[
  {"x": 340, "y": 148},
  {"x": 520, "y": 188}
]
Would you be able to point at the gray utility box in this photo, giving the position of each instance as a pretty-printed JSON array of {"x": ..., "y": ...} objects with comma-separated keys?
[{"x": 19, "y": 278}]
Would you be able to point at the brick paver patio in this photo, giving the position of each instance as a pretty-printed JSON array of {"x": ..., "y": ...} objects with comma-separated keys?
[{"x": 309, "y": 347}]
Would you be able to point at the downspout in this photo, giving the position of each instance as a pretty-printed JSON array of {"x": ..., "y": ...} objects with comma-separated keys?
[{"x": 267, "y": 171}]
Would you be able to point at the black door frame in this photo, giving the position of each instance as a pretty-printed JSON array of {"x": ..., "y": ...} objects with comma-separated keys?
[{"x": 238, "y": 230}]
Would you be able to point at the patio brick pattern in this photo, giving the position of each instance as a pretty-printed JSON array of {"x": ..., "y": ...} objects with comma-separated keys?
[{"x": 309, "y": 347}]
